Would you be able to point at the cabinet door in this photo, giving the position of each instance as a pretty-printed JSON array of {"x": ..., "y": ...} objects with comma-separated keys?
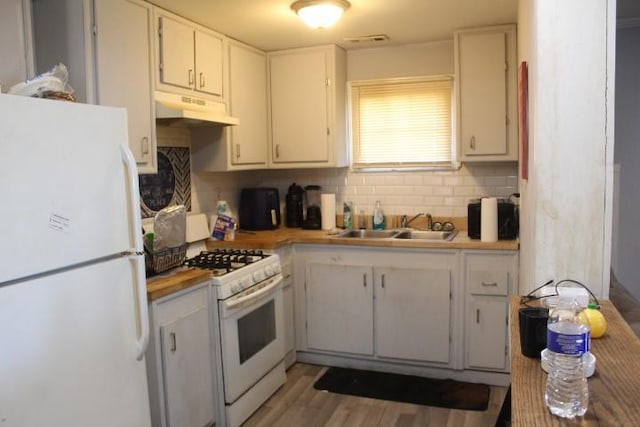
[
  {"x": 176, "y": 53},
  {"x": 299, "y": 117},
  {"x": 186, "y": 354},
  {"x": 124, "y": 71},
  {"x": 339, "y": 308},
  {"x": 483, "y": 94},
  {"x": 413, "y": 313},
  {"x": 208, "y": 60},
  {"x": 15, "y": 49},
  {"x": 248, "y": 101},
  {"x": 487, "y": 333}
]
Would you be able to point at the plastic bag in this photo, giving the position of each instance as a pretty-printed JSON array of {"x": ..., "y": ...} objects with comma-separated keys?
[{"x": 52, "y": 84}]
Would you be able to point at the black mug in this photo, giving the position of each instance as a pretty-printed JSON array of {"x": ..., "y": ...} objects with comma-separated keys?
[{"x": 533, "y": 330}]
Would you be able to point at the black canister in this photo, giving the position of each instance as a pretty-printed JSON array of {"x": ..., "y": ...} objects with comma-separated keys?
[{"x": 294, "y": 201}]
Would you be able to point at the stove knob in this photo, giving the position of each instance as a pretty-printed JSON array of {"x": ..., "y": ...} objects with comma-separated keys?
[
  {"x": 236, "y": 287},
  {"x": 258, "y": 275},
  {"x": 246, "y": 281},
  {"x": 269, "y": 271},
  {"x": 277, "y": 268}
]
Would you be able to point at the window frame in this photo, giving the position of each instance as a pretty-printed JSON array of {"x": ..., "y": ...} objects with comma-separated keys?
[{"x": 453, "y": 165}]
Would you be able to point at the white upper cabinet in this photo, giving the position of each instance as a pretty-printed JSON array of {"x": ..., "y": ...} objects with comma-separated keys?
[
  {"x": 246, "y": 145},
  {"x": 189, "y": 57},
  {"x": 124, "y": 74},
  {"x": 307, "y": 98},
  {"x": 15, "y": 43},
  {"x": 486, "y": 72},
  {"x": 109, "y": 63},
  {"x": 248, "y": 101}
]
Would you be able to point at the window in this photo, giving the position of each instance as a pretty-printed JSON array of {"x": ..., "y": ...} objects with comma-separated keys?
[{"x": 402, "y": 123}]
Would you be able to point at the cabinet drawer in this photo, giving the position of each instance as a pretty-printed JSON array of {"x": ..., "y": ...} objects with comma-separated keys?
[
  {"x": 488, "y": 282},
  {"x": 490, "y": 273}
]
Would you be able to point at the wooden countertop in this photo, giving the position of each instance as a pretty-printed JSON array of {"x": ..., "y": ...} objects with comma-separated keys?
[
  {"x": 273, "y": 239},
  {"x": 614, "y": 389},
  {"x": 174, "y": 281}
]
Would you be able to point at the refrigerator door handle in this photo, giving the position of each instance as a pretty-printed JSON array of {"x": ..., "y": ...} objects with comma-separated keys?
[{"x": 141, "y": 282}]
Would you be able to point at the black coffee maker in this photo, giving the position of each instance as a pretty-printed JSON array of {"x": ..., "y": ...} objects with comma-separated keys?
[
  {"x": 313, "y": 220},
  {"x": 294, "y": 206}
]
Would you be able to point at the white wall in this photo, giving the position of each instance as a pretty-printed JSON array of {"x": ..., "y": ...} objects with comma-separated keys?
[
  {"x": 443, "y": 194},
  {"x": 627, "y": 154},
  {"x": 566, "y": 202}
]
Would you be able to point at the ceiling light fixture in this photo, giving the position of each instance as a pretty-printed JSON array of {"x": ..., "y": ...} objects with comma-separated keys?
[{"x": 320, "y": 13}]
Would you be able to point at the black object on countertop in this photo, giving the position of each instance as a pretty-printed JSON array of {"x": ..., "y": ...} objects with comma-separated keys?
[
  {"x": 259, "y": 209},
  {"x": 405, "y": 388},
  {"x": 294, "y": 205}
]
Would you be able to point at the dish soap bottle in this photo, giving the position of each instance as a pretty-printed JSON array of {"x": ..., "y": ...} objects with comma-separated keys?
[
  {"x": 378, "y": 217},
  {"x": 347, "y": 215}
]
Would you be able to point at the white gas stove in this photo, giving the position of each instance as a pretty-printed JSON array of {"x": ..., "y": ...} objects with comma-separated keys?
[
  {"x": 235, "y": 270},
  {"x": 248, "y": 318}
]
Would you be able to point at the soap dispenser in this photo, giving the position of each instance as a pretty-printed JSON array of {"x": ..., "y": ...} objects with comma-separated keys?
[{"x": 378, "y": 217}]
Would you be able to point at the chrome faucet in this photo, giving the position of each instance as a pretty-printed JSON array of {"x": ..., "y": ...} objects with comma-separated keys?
[{"x": 405, "y": 223}]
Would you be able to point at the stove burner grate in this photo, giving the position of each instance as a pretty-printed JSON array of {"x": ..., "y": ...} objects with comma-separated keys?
[{"x": 225, "y": 260}]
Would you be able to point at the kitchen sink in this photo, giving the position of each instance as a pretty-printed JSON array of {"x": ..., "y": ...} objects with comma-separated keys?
[
  {"x": 426, "y": 235},
  {"x": 400, "y": 234},
  {"x": 368, "y": 234}
]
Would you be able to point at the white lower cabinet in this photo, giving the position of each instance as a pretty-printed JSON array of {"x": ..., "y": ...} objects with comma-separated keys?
[
  {"x": 179, "y": 360},
  {"x": 490, "y": 277},
  {"x": 433, "y": 312},
  {"x": 339, "y": 308},
  {"x": 413, "y": 312},
  {"x": 396, "y": 306},
  {"x": 486, "y": 333}
]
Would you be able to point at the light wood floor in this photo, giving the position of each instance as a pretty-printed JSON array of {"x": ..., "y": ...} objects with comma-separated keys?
[{"x": 297, "y": 403}]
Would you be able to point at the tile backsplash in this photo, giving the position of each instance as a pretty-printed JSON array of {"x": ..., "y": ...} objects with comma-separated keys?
[{"x": 441, "y": 193}]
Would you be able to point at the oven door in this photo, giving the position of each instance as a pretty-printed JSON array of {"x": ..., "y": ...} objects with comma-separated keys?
[{"x": 252, "y": 334}]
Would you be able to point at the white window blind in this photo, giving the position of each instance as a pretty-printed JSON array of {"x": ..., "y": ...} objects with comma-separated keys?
[{"x": 402, "y": 123}]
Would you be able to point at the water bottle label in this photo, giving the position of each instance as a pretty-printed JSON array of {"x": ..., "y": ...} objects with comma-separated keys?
[{"x": 572, "y": 344}]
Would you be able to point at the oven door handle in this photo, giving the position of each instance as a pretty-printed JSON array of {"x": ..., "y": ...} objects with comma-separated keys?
[{"x": 254, "y": 295}]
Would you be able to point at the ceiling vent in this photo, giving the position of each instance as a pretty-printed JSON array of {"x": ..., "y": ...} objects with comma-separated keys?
[{"x": 376, "y": 38}]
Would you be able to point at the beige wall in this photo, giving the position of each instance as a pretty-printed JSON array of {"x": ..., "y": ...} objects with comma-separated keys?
[{"x": 566, "y": 202}]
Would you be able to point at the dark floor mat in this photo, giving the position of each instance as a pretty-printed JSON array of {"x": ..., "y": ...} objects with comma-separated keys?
[{"x": 405, "y": 388}]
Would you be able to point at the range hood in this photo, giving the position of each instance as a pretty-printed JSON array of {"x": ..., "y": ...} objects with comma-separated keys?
[{"x": 189, "y": 111}]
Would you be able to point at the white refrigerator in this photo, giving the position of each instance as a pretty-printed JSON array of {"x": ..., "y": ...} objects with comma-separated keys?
[{"x": 73, "y": 308}]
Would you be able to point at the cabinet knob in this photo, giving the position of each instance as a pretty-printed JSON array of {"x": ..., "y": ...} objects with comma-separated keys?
[
  {"x": 191, "y": 77},
  {"x": 238, "y": 151},
  {"x": 277, "y": 151},
  {"x": 477, "y": 315},
  {"x": 364, "y": 280},
  {"x": 382, "y": 281},
  {"x": 201, "y": 80},
  {"x": 489, "y": 283},
  {"x": 472, "y": 144}
]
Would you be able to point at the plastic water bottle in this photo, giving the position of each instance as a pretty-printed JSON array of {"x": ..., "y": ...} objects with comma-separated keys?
[{"x": 567, "y": 392}]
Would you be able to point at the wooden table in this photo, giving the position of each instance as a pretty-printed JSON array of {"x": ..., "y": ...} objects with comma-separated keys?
[{"x": 614, "y": 389}]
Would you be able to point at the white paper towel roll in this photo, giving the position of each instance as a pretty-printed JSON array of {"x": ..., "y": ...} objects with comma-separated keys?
[
  {"x": 328, "y": 211},
  {"x": 489, "y": 219}
]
